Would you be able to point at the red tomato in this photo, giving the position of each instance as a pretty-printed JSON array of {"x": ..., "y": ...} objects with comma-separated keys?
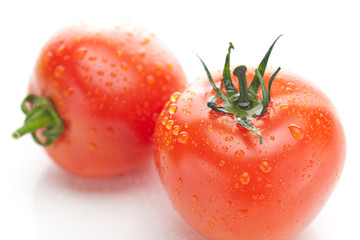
[
  {"x": 108, "y": 87},
  {"x": 265, "y": 180}
]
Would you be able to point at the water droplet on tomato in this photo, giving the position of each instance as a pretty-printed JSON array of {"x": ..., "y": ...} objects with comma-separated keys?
[
  {"x": 245, "y": 178},
  {"x": 164, "y": 121},
  {"x": 68, "y": 92},
  {"x": 92, "y": 58},
  {"x": 222, "y": 163},
  {"x": 239, "y": 153},
  {"x": 176, "y": 130},
  {"x": 169, "y": 124},
  {"x": 269, "y": 185},
  {"x": 318, "y": 121},
  {"x": 229, "y": 138},
  {"x": 88, "y": 79},
  {"x": 109, "y": 84},
  {"x": 224, "y": 121},
  {"x": 140, "y": 68},
  {"x": 81, "y": 52},
  {"x": 119, "y": 53},
  {"x": 225, "y": 149},
  {"x": 92, "y": 146},
  {"x": 289, "y": 90},
  {"x": 243, "y": 212},
  {"x": 60, "y": 50},
  {"x": 195, "y": 198},
  {"x": 264, "y": 166},
  {"x": 124, "y": 66},
  {"x": 100, "y": 73},
  {"x": 183, "y": 137},
  {"x": 174, "y": 96},
  {"x": 59, "y": 71},
  {"x": 229, "y": 204},
  {"x": 284, "y": 107},
  {"x": 172, "y": 108},
  {"x": 296, "y": 131},
  {"x": 287, "y": 147},
  {"x": 180, "y": 181},
  {"x": 150, "y": 79},
  {"x": 272, "y": 138},
  {"x": 210, "y": 128}
]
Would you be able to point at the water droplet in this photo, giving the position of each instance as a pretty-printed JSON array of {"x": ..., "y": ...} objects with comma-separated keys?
[
  {"x": 296, "y": 131},
  {"x": 210, "y": 128},
  {"x": 113, "y": 75},
  {"x": 243, "y": 212},
  {"x": 239, "y": 153},
  {"x": 245, "y": 178},
  {"x": 180, "y": 181},
  {"x": 150, "y": 79},
  {"x": 195, "y": 198},
  {"x": 124, "y": 66},
  {"x": 287, "y": 147},
  {"x": 60, "y": 50},
  {"x": 282, "y": 181},
  {"x": 289, "y": 90},
  {"x": 318, "y": 121},
  {"x": 164, "y": 121},
  {"x": 268, "y": 185},
  {"x": 172, "y": 108},
  {"x": 140, "y": 68},
  {"x": 176, "y": 130},
  {"x": 229, "y": 138},
  {"x": 174, "y": 96},
  {"x": 225, "y": 149},
  {"x": 261, "y": 196},
  {"x": 92, "y": 58},
  {"x": 224, "y": 121},
  {"x": 141, "y": 52},
  {"x": 100, "y": 73},
  {"x": 81, "y": 52},
  {"x": 272, "y": 138},
  {"x": 92, "y": 146},
  {"x": 119, "y": 53},
  {"x": 229, "y": 204},
  {"x": 183, "y": 137},
  {"x": 264, "y": 166},
  {"x": 68, "y": 92},
  {"x": 284, "y": 107},
  {"x": 109, "y": 84},
  {"x": 59, "y": 71},
  {"x": 88, "y": 79},
  {"x": 222, "y": 163},
  {"x": 169, "y": 124},
  {"x": 93, "y": 131}
]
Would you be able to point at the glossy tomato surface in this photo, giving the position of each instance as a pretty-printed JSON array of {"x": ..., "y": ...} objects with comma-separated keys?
[
  {"x": 226, "y": 184},
  {"x": 108, "y": 86}
]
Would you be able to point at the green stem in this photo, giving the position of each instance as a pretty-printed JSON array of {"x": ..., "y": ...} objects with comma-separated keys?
[
  {"x": 243, "y": 103},
  {"x": 240, "y": 73},
  {"x": 42, "y": 115}
]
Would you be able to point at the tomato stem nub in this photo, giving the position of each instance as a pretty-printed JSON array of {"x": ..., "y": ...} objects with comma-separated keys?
[
  {"x": 243, "y": 103},
  {"x": 41, "y": 115}
]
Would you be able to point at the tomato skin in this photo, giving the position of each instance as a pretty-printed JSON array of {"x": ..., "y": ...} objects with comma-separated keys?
[
  {"x": 108, "y": 86},
  {"x": 228, "y": 186}
]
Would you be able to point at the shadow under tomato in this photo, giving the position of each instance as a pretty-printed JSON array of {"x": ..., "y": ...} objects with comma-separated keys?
[{"x": 133, "y": 206}]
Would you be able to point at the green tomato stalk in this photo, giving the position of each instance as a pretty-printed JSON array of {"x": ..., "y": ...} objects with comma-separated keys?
[
  {"x": 41, "y": 115},
  {"x": 244, "y": 103}
]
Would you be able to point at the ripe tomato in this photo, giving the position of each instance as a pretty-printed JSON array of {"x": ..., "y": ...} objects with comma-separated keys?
[
  {"x": 267, "y": 179},
  {"x": 107, "y": 87}
]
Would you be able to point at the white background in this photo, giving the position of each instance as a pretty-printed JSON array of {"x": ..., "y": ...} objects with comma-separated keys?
[{"x": 40, "y": 201}]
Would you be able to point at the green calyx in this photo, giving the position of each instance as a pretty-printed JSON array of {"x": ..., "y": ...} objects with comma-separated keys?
[
  {"x": 244, "y": 103},
  {"x": 41, "y": 115}
]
